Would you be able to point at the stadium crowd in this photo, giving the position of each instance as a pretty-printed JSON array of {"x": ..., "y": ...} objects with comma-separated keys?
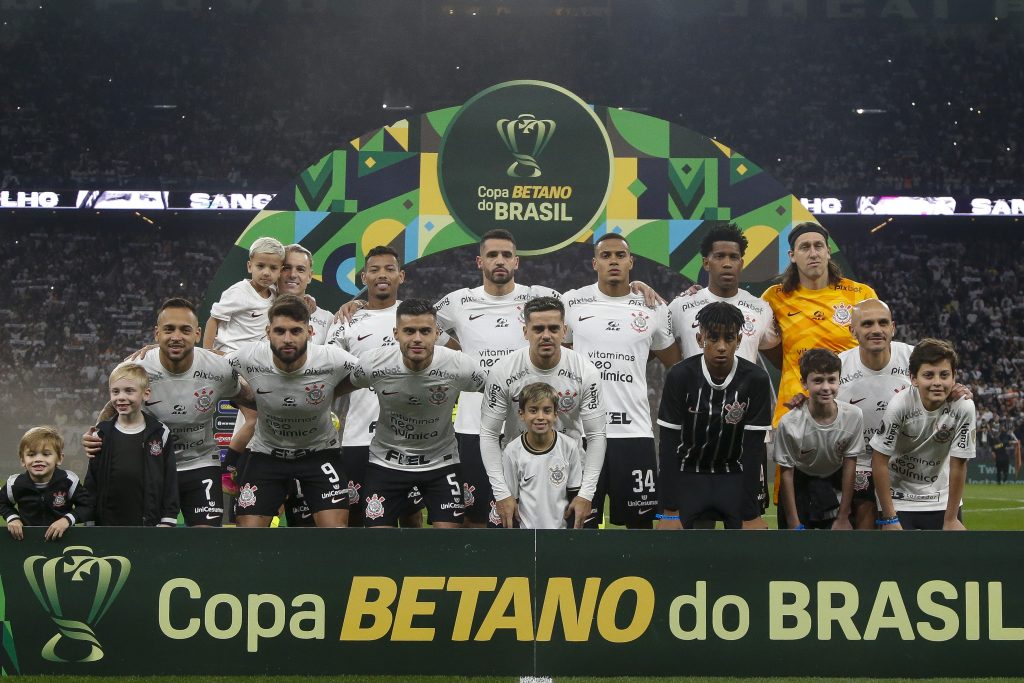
[{"x": 203, "y": 104}]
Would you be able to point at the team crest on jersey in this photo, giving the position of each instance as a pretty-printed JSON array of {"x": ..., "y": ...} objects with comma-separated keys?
[
  {"x": 640, "y": 321},
  {"x": 944, "y": 431},
  {"x": 374, "y": 507},
  {"x": 59, "y": 499},
  {"x": 155, "y": 447},
  {"x": 247, "y": 496},
  {"x": 566, "y": 400},
  {"x": 556, "y": 473},
  {"x": 467, "y": 495},
  {"x": 315, "y": 393},
  {"x": 353, "y": 492},
  {"x": 842, "y": 314},
  {"x": 734, "y": 412},
  {"x": 438, "y": 395},
  {"x": 493, "y": 517},
  {"x": 748, "y": 325},
  {"x": 204, "y": 399},
  {"x": 519, "y": 312}
]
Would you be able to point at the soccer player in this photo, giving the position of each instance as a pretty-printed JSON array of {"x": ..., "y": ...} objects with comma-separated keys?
[
  {"x": 485, "y": 321},
  {"x": 715, "y": 410},
  {"x": 293, "y": 383},
  {"x": 817, "y": 446},
  {"x": 872, "y": 374},
  {"x": 186, "y": 383},
  {"x": 133, "y": 478},
  {"x": 722, "y": 251},
  {"x": 44, "y": 494},
  {"x": 921, "y": 453},
  {"x": 813, "y": 307},
  {"x": 617, "y": 332},
  {"x": 581, "y": 411},
  {"x": 417, "y": 384},
  {"x": 372, "y": 327},
  {"x": 296, "y": 274},
  {"x": 542, "y": 467}
]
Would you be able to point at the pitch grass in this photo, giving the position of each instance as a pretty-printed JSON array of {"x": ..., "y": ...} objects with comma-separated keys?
[{"x": 460, "y": 679}]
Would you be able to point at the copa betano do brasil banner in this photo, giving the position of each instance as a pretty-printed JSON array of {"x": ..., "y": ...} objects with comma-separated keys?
[{"x": 470, "y": 602}]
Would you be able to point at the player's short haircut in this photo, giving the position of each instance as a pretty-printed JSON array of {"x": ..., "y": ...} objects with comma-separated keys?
[
  {"x": 267, "y": 245},
  {"x": 543, "y": 303},
  {"x": 497, "y": 234},
  {"x": 40, "y": 437},
  {"x": 177, "y": 302},
  {"x": 290, "y": 306},
  {"x": 611, "y": 236},
  {"x": 536, "y": 393},
  {"x": 790, "y": 278},
  {"x": 132, "y": 371},
  {"x": 723, "y": 231},
  {"x": 819, "y": 360},
  {"x": 299, "y": 249},
  {"x": 933, "y": 352},
  {"x": 382, "y": 250},
  {"x": 720, "y": 315},
  {"x": 413, "y": 307}
]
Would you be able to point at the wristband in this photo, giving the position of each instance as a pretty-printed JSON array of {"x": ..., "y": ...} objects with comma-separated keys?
[
  {"x": 799, "y": 527},
  {"x": 887, "y": 521},
  {"x": 666, "y": 516}
]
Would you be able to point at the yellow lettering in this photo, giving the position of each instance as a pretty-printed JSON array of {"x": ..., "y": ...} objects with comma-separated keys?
[
  {"x": 560, "y": 600},
  {"x": 641, "y": 615},
  {"x": 779, "y": 609},
  {"x": 470, "y": 587},
  {"x": 841, "y": 614},
  {"x": 514, "y": 593},
  {"x": 409, "y": 606},
  {"x": 360, "y": 605},
  {"x": 889, "y": 594}
]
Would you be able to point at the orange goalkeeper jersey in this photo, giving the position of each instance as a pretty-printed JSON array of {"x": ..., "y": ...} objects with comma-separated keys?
[{"x": 811, "y": 318}]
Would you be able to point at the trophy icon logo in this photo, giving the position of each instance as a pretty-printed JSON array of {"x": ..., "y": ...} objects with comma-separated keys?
[
  {"x": 76, "y": 590},
  {"x": 526, "y": 137}
]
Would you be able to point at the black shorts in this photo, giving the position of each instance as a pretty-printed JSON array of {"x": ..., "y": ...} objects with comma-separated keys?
[
  {"x": 476, "y": 485},
  {"x": 864, "y": 487},
  {"x": 629, "y": 478},
  {"x": 930, "y": 520},
  {"x": 389, "y": 493},
  {"x": 200, "y": 496},
  {"x": 701, "y": 493},
  {"x": 296, "y": 509},
  {"x": 755, "y": 483},
  {"x": 817, "y": 498},
  {"x": 353, "y": 461},
  {"x": 263, "y": 485}
]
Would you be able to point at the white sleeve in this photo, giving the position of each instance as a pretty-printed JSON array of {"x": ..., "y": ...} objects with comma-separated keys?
[
  {"x": 770, "y": 337},
  {"x": 336, "y": 336},
  {"x": 591, "y": 400},
  {"x": 361, "y": 375},
  {"x": 594, "y": 429},
  {"x": 964, "y": 440},
  {"x": 884, "y": 441},
  {"x": 662, "y": 337},
  {"x": 510, "y": 467},
  {"x": 575, "y": 479},
  {"x": 230, "y": 304},
  {"x": 855, "y": 448},
  {"x": 471, "y": 377},
  {"x": 783, "y": 445},
  {"x": 445, "y": 314},
  {"x": 343, "y": 359},
  {"x": 490, "y": 453}
]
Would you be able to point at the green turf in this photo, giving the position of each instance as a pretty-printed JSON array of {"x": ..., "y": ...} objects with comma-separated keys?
[{"x": 461, "y": 679}]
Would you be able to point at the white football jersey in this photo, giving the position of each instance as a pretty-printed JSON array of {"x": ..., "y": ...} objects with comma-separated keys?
[
  {"x": 758, "y": 331},
  {"x": 818, "y": 450},
  {"x": 243, "y": 316},
  {"x": 293, "y": 408},
  {"x": 368, "y": 331},
  {"x": 919, "y": 444},
  {"x": 187, "y": 404},
  {"x": 541, "y": 481},
  {"x": 320, "y": 320},
  {"x": 414, "y": 426},
  {"x": 871, "y": 390},
  {"x": 617, "y": 334},
  {"x": 489, "y": 328}
]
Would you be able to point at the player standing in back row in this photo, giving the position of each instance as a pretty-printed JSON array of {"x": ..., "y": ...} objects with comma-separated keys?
[{"x": 617, "y": 332}]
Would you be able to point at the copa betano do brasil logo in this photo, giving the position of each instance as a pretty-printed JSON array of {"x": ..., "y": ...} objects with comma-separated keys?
[{"x": 530, "y": 157}]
